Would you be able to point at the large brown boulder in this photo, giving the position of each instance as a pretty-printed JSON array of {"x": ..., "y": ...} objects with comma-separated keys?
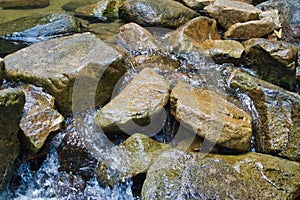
[
  {"x": 167, "y": 13},
  {"x": 179, "y": 175},
  {"x": 11, "y": 106},
  {"x": 139, "y": 103},
  {"x": 39, "y": 118},
  {"x": 20, "y": 4},
  {"x": 273, "y": 61},
  {"x": 211, "y": 116},
  {"x": 230, "y": 12},
  {"x": 80, "y": 69},
  {"x": 277, "y": 127}
]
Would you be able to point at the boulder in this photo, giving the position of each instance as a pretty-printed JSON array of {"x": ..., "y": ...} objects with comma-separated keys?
[
  {"x": 20, "y": 4},
  {"x": 37, "y": 28},
  {"x": 250, "y": 29},
  {"x": 277, "y": 127},
  {"x": 39, "y": 118},
  {"x": 2, "y": 69},
  {"x": 273, "y": 15},
  {"x": 224, "y": 51},
  {"x": 199, "y": 29},
  {"x": 168, "y": 13},
  {"x": 138, "y": 104},
  {"x": 231, "y": 12},
  {"x": 103, "y": 10},
  {"x": 289, "y": 12},
  {"x": 11, "y": 106},
  {"x": 211, "y": 116},
  {"x": 135, "y": 38},
  {"x": 132, "y": 157},
  {"x": 196, "y": 4},
  {"x": 273, "y": 61},
  {"x": 179, "y": 175},
  {"x": 80, "y": 69}
]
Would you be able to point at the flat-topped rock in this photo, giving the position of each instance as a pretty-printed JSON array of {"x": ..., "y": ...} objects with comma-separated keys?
[
  {"x": 211, "y": 116},
  {"x": 229, "y": 12},
  {"x": 139, "y": 103},
  {"x": 179, "y": 175},
  {"x": 273, "y": 61},
  {"x": 58, "y": 64},
  {"x": 39, "y": 118},
  {"x": 277, "y": 130},
  {"x": 167, "y": 13}
]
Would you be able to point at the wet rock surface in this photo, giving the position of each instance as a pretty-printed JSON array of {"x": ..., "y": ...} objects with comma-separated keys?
[
  {"x": 132, "y": 157},
  {"x": 250, "y": 29},
  {"x": 56, "y": 63},
  {"x": 104, "y": 10},
  {"x": 139, "y": 103},
  {"x": 11, "y": 106},
  {"x": 277, "y": 126},
  {"x": 38, "y": 28},
  {"x": 168, "y": 14},
  {"x": 211, "y": 116},
  {"x": 273, "y": 61},
  {"x": 19, "y": 4},
  {"x": 228, "y": 13},
  {"x": 179, "y": 175},
  {"x": 39, "y": 118}
]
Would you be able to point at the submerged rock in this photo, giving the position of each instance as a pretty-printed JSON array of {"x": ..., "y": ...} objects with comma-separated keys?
[
  {"x": 103, "y": 10},
  {"x": 273, "y": 61},
  {"x": 73, "y": 5},
  {"x": 137, "y": 105},
  {"x": 179, "y": 175},
  {"x": 132, "y": 157},
  {"x": 230, "y": 12},
  {"x": 277, "y": 128},
  {"x": 80, "y": 69},
  {"x": 211, "y": 116},
  {"x": 11, "y": 106},
  {"x": 250, "y": 29},
  {"x": 2, "y": 66},
  {"x": 20, "y": 4},
  {"x": 39, "y": 118},
  {"x": 39, "y": 27},
  {"x": 167, "y": 13},
  {"x": 224, "y": 51}
]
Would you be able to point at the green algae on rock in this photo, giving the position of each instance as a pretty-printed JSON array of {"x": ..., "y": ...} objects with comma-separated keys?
[
  {"x": 277, "y": 129},
  {"x": 58, "y": 64},
  {"x": 167, "y": 13},
  {"x": 11, "y": 106},
  {"x": 179, "y": 175}
]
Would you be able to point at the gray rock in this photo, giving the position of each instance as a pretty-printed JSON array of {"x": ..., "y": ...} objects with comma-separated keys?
[
  {"x": 167, "y": 13},
  {"x": 132, "y": 157},
  {"x": 250, "y": 29},
  {"x": 277, "y": 128},
  {"x": 20, "y": 4},
  {"x": 80, "y": 69},
  {"x": 37, "y": 28},
  {"x": 103, "y": 10},
  {"x": 273, "y": 61},
  {"x": 11, "y": 106},
  {"x": 211, "y": 116},
  {"x": 39, "y": 118},
  {"x": 179, "y": 175},
  {"x": 230, "y": 12},
  {"x": 139, "y": 103}
]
